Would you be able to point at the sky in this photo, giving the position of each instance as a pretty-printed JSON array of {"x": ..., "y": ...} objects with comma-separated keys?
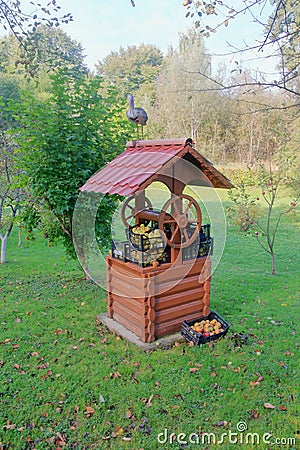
[{"x": 103, "y": 26}]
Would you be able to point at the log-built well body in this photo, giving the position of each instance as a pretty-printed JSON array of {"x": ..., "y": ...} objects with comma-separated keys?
[{"x": 153, "y": 302}]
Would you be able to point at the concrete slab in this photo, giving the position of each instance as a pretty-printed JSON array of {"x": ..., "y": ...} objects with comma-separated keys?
[{"x": 120, "y": 330}]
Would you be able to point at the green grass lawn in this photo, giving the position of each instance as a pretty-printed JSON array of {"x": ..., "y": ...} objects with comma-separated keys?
[{"x": 66, "y": 382}]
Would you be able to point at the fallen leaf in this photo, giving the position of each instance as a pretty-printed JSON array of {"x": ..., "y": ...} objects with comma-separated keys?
[
  {"x": 282, "y": 408},
  {"x": 194, "y": 369},
  {"x": 119, "y": 431},
  {"x": 254, "y": 414},
  {"x": 58, "y": 331},
  {"x": 257, "y": 382},
  {"x": 61, "y": 440},
  {"x": 115, "y": 375},
  {"x": 48, "y": 374},
  {"x": 269, "y": 406},
  {"x": 42, "y": 366},
  {"x": 89, "y": 411},
  {"x": 9, "y": 426},
  {"x": 148, "y": 403}
]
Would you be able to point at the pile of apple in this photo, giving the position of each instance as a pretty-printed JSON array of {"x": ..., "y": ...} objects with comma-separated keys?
[
  {"x": 140, "y": 233},
  {"x": 208, "y": 327}
]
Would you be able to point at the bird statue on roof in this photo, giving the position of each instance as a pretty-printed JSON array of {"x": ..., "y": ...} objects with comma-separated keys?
[{"x": 136, "y": 115}]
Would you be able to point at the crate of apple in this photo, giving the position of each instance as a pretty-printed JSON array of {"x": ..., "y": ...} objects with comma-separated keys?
[
  {"x": 205, "y": 329},
  {"x": 208, "y": 327}
]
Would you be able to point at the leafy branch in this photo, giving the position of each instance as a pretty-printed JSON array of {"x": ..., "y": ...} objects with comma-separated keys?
[{"x": 15, "y": 19}]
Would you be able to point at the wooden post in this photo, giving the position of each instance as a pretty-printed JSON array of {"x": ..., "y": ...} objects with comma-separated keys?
[
  {"x": 110, "y": 309},
  {"x": 149, "y": 305},
  {"x": 177, "y": 189},
  {"x": 206, "y": 287},
  {"x": 139, "y": 203}
]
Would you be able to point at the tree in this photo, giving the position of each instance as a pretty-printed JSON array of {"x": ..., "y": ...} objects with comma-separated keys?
[
  {"x": 180, "y": 107},
  {"x": 264, "y": 223},
  {"x": 132, "y": 69},
  {"x": 10, "y": 194},
  {"x": 19, "y": 19},
  {"x": 62, "y": 142},
  {"x": 47, "y": 50},
  {"x": 284, "y": 28},
  {"x": 280, "y": 32}
]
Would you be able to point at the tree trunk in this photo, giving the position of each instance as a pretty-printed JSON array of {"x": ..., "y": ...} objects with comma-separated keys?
[
  {"x": 3, "y": 249},
  {"x": 19, "y": 238},
  {"x": 273, "y": 264}
]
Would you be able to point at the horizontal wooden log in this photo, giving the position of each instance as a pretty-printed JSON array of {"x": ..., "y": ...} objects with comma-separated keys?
[
  {"x": 165, "y": 289},
  {"x": 121, "y": 286},
  {"x": 179, "y": 272},
  {"x": 131, "y": 304},
  {"x": 179, "y": 298},
  {"x": 179, "y": 312},
  {"x": 130, "y": 315},
  {"x": 131, "y": 326},
  {"x": 128, "y": 267},
  {"x": 173, "y": 326}
]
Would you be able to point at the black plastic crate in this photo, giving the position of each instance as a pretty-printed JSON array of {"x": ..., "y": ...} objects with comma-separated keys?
[
  {"x": 198, "y": 338},
  {"x": 139, "y": 241},
  {"x": 202, "y": 246},
  {"x": 146, "y": 248},
  {"x": 119, "y": 250}
]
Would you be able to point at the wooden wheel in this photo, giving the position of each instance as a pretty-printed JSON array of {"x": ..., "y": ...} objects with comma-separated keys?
[
  {"x": 186, "y": 219},
  {"x": 129, "y": 211}
]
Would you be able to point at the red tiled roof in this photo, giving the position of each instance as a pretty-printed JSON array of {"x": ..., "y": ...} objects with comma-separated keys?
[{"x": 140, "y": 161}]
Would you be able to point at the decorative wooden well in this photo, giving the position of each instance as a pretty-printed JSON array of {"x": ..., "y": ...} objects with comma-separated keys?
[{"x": 153, "y": 277}]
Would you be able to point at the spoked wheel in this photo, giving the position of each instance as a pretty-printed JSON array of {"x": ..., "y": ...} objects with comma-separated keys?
[
  {"x": 129, "y": 211},
  {"x": 186, "y": 218}
]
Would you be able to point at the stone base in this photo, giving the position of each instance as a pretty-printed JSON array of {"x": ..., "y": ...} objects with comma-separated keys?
[{"x": 120, "y": 330}]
